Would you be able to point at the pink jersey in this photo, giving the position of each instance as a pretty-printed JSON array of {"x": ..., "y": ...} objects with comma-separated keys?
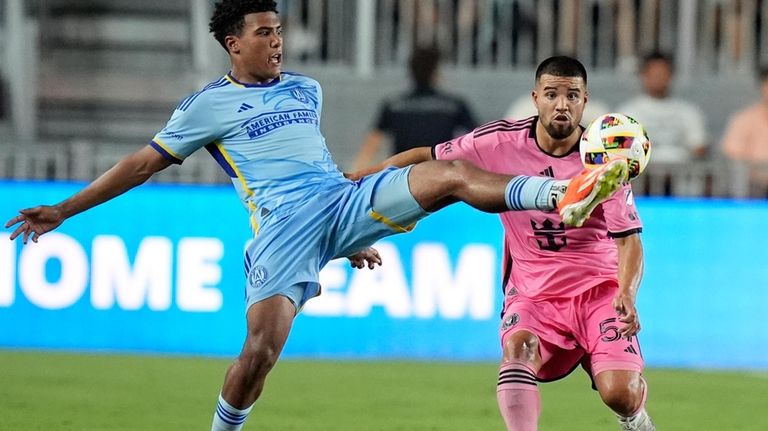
[{"x": 543, "y": 257}]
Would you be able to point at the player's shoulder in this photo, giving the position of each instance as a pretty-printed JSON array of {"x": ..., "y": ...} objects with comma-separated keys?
[
  {"x": 298, "y": 77},
  {"x": 506, "y": 127},
  {"x": 204, "y": 94}
]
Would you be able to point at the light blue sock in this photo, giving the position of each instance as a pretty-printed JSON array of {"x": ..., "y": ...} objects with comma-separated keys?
[
  {"x": 534, "y": 193},
  {"x": 228, "y": 418}
]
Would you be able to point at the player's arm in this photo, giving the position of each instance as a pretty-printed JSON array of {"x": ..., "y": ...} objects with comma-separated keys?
[
  {"x": 410, "y": 157},
  {"x": 630, "y": 273},
  {"x": 128, "y": 173}
]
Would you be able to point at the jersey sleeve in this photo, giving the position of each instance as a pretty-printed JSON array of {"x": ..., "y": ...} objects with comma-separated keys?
[
  {"x": 621, "y": 214},
  {"x": 191, "y": 127},
  {"x": 462, "y": 148}
]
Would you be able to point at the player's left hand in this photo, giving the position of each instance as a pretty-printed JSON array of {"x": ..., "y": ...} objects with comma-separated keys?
[
  {"x": 625, "y": 308},
  {"x": 367, "y": 257}
]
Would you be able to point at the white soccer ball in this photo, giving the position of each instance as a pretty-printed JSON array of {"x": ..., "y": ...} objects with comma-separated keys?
[{"x": 613, "y": 136}]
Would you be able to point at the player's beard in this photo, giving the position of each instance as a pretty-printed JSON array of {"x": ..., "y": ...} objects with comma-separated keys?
[{"x": 559, "y": 133}]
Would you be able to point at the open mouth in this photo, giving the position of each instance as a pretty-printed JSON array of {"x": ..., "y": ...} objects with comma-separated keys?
[
  {"x": 276, "y": 59},
  {"x": 561, "y": 118}
]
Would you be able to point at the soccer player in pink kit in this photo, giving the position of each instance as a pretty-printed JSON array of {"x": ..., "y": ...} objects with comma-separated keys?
[{"x": 569, "y": 292}]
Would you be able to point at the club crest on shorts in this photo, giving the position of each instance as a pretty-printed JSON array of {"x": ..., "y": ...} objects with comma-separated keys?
[
  {"x": 257, "y": 276},
  {"x": 510, "y": 321}
]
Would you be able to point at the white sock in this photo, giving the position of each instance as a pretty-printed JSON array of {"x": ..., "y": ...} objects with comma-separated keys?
[
  {"x": 534, "y": 193},
  {"x": 639, "y": 422},
  {"x": 228, "y": 418}
]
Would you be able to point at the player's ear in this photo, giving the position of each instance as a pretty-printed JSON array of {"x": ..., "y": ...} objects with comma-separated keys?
[{"x": 233, "y": 44}]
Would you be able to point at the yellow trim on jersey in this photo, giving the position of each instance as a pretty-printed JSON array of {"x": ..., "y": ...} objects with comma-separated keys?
[
  {"x": 380, "y": 218},
  {"x": 165, "y": 147},
  {"x": 234, "y": 168},
  {"x": 254, "y": 224},
  {"x": 251, "y": 207},
  {"x": 233, "y": 81}
]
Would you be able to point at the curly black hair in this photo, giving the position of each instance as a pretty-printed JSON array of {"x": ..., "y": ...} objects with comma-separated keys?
[{"x": 229, "y": 16}]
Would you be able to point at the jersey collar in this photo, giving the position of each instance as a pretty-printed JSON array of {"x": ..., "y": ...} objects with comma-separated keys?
[{"x": 237, "y": 83}]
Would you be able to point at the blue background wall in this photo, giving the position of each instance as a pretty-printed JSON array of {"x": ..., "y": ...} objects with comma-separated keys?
[{"x": 437, "y": 296}]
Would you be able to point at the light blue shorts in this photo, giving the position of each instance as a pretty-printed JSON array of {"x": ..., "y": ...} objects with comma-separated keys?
[{"x": 286, "y": 256}]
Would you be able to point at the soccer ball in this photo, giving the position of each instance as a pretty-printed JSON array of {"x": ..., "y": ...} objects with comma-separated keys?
[{"x": 613, "y": 136}]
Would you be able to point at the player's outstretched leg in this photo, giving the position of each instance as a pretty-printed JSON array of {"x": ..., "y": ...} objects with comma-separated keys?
[
  {"x": 589, "y": 189},
  {"x": 436, "y": 184}
]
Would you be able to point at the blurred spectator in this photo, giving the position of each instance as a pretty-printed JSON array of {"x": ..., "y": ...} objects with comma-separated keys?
[
  {"x": 523, "y": 107},
  {"x": 676, "y": 126},
  {"x": 423, "y": 116},
  {"x": 746, "y": 138},
  {"x": 3, "y": 99}
]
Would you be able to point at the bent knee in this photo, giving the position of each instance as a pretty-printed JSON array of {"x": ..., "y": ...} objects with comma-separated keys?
[
  {"x": 257, "y": 361},
  {"x": 522, "y": 346},
  {"x": 623, "y": 396}
]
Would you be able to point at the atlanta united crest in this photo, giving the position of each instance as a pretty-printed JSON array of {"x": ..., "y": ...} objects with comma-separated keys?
[{"x": 257, "y": 276}]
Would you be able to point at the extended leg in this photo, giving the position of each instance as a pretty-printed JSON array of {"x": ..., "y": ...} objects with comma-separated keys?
[{"x": 436, "y": 184}]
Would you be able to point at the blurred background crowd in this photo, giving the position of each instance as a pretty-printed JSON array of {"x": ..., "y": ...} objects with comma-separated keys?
[{"x": 86, "y": 81}]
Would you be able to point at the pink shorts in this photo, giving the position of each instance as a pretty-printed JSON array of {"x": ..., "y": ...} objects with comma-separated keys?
[{"x": 582, "y": 329}]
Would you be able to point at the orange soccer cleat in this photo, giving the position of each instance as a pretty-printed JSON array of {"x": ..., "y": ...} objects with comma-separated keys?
[{"x": 590, "y": 188}]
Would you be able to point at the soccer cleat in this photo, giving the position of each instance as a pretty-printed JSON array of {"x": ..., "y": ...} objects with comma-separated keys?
[
  {"x": 638, "y": 422},
  {"x": 590, "y": 188}
]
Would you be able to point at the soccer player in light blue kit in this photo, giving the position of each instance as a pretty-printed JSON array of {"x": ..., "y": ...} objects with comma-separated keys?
[{"x": 262, "y": 126}]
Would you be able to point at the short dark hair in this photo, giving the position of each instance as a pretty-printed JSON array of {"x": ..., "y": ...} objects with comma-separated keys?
[
  {"x": 423, "y": 64},
  {"x": 562, "y": 65},
  {"x": 658, "y": 56},
  {"x": 229, "y": 16}
]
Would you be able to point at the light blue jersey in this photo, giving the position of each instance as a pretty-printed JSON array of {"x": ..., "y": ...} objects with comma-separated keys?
[
  {"x": 303, "y": 211},
  {"x": 266, "y": 138}
]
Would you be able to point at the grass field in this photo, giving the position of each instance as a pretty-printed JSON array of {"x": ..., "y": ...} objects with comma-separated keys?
[{"x": 54, "y": 391}]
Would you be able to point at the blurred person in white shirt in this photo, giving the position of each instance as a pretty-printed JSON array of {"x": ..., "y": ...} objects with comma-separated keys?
[
  {"x": 746, "y": 138},
  {"x": 676, "y": 126}
]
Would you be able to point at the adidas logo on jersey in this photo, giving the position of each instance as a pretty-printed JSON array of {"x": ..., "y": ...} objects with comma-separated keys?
[
  {"x": 547, "y": 172},
  {"x": 244, "y": 107},
  {"x": 631, "y": 349}
]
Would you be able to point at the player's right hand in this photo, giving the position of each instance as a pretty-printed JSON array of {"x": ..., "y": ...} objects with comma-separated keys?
[{"x": 35, "y": 222}]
